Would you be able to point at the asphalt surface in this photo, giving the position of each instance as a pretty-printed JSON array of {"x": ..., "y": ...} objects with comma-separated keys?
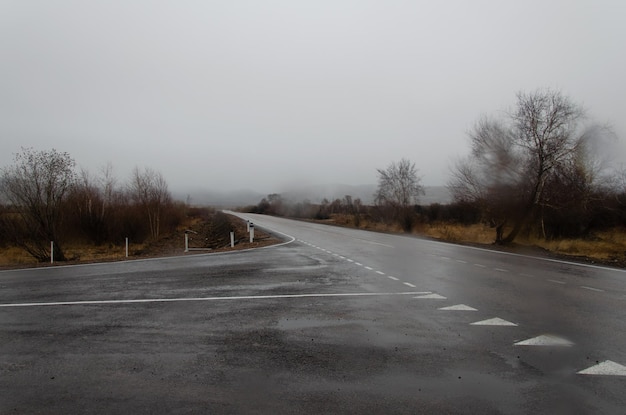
[{"x": 333, "y": 321}]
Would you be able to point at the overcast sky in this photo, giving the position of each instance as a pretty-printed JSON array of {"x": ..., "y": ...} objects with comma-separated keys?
[{"x": 264, "y": 95}]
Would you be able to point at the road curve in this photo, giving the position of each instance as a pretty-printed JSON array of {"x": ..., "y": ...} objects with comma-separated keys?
[{"x": 335, "y": 321}]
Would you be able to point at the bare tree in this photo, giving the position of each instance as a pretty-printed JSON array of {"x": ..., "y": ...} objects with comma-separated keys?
[
  {"x": 93, "y": 198},
  {"x": 37, "y": 185},
  {"x": 149, "y": 189},
  {"x": 399, "y": 188},
  {"x": 513, "y": 160}
]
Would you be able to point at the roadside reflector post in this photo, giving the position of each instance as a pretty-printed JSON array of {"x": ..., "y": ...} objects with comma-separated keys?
[
  {"x": 52, "y": 252},
  {"x": 126, "y": 247},
  {"x": 232, "y": 239},
  {"x": 187, "y": 232},
  {"x": 251, "y": 233}
]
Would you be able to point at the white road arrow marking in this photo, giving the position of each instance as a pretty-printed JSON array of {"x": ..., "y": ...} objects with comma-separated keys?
[
  {"x": 494, "y": 322},
  {"x": 458, "y": 307},
  {"x": 606, "y": 368},
  {"x": 546, "y": 340}
]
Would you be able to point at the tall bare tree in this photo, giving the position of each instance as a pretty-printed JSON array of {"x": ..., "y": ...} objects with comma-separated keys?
[
  {"x": 93, "y": 198},
  {"x": 149, "y": 189},
  {"x": 513, "y": 159},
  {"x": 37, "y": 185},
  {"x": 399, "y": 188}
]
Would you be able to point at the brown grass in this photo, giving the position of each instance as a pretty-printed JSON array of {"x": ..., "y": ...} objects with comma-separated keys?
[
  {"x": 451, "y": 232},
  {"x": 607, "y": 247},
  {"x": 168, "y": 245}
]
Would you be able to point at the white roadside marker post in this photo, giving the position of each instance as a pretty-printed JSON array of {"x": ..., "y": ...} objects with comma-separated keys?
[
  {"x": 126, "y": 247},
  {"x": 251, "y": 233},
  {"x": 232, "y": 239},
  {"x": 52, "y": 252}
]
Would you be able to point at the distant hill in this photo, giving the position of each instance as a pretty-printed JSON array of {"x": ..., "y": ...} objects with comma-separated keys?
[
  {"x": 222, "y": 199},
  {"x": 312, "y": 193},
  {"x": 315, "y": 194},
  {"x": 436, "y": 194}
]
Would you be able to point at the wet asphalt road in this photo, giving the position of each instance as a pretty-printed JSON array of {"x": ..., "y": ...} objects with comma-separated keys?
[{"x": 336, "y": 321}]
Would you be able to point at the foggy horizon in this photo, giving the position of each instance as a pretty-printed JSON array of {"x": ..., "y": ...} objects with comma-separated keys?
[{"x": 279, "y": 95}]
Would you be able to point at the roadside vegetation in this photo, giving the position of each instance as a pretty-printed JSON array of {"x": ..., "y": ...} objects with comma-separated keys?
[
  {"x": 536, "y": 178},
  {"x": 88, "y": 217}
]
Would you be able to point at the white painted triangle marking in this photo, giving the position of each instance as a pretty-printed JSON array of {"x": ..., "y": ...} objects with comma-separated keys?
[
  {"x": 432, "y": 297},
  {"x": 606, "y": 368},
  {"x": 458, "y": 307},
  {"x": 494, "y": 322},
  {"x": 546, "y": 340}
]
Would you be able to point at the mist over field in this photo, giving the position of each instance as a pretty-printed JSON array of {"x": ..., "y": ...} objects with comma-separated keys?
[{"x": 314, "y": 194}]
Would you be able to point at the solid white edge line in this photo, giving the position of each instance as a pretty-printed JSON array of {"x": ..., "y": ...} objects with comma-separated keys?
[{"x": 173, "y": 300}]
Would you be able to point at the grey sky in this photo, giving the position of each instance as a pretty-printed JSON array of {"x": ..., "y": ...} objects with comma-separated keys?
[{"x": 265, "y": 94}]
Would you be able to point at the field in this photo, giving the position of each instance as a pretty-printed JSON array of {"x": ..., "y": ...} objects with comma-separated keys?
[{"x": 607, "y": 247}]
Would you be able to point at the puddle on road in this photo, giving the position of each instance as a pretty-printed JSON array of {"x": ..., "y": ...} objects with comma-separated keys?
[{"x": 303, "y": 268}]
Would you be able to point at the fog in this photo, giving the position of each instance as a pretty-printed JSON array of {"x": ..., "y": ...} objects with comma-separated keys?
[{"x": 276, "y": 95}]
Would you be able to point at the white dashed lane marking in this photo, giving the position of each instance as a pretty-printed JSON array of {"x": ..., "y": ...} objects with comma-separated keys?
[
  {"x": 458, "y": 307},
  {"x": 592, "y": 289},
  {"x": 432, "y": 296},
  {"x": 606, "y": 368},
  {"x": 497, "y": 321}
]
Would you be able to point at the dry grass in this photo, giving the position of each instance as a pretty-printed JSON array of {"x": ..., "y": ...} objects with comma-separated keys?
[
  {"x": 608, "y": 246},
  {"x": 15, "y": 256},
  {"x": 451, "y": 232},
  {"x": 12, "y": 256},
  {"x": 605, "y": 246},
  {"x": 102, "y": 253}
]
